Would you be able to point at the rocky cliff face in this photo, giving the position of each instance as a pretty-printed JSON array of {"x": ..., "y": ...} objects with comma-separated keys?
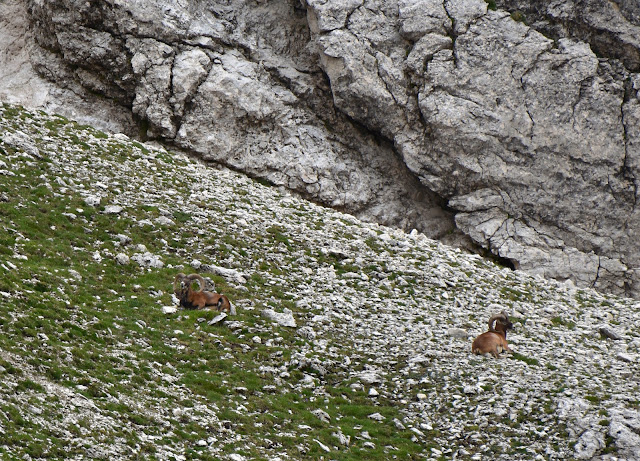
[
  {"x": 239, "y": 84},
  {"x": 422, "y": 113},
  {"x": 532, "y": 141}
]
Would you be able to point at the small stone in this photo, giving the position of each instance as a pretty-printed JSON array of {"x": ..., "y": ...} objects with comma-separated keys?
[
  {"x": 219, "y": 318},
  {"x": 92, "y": 200},
  {"x": 398, "y": 424},
  {"x": 113, "y": 209},
  {"x": 123, "y": 239},
  {"x": 284, "y": 318},
  {"x": 35, "y": 410},
  {"x": 377, "y": 417},
  {"x": 164, "y": 221},
  {"x": 373, "y": 392},
  {"x": 625, "y": 357},
  {"x": 231, "y": 275},
  {"x": 169, "y": 310},
  {"x": 122, "y": 259},
  {"x": 370, "y": 377},
  {"x": 121, "y": 137},
  {"x": 470, "y": 390},
  {"x": 322, "y": 415},
  {"x": 343, "y": 439},
  {"x": 148, "y": 260},
  {"x": 608, "y": 332},
  {"x": 307, "y": 333},
  {"x": 322, "y": 445},
  {"x": 458, "y": 333}
]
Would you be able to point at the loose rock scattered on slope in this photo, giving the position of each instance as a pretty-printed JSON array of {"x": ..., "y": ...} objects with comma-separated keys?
[{"x": 380, "y": 312}]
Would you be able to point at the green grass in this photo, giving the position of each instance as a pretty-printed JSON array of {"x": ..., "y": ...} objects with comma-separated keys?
[
  {"x": 528, "y": 360},
  {"x": 79, "y": 327},
  {"x": 80, "y": 317}
]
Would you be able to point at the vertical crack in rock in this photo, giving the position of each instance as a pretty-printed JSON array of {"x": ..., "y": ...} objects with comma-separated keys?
[
  {"x": 627, "y": 170},
  {"x": 347, "y": 19},
  {"x": 190, "y": 70},
  {"x": 451, "y": 31},
  {"x": 597, "y": 274}
]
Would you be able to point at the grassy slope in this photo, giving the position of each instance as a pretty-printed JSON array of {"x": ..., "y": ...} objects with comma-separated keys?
[
  {"x": 84, "y": 333},
  {"x": 89, "y": 365}
]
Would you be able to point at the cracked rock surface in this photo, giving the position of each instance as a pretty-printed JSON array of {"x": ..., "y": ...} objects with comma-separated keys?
[
  {"x": 238, "y": 84},
  {"x": 531, "y": 141},
  {"x": 427, "y": 114}
]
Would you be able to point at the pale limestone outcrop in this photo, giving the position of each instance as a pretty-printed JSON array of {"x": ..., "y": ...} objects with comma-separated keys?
[
  {"x": 237, "y": 84},
  {"x": 533, "y": 142}
]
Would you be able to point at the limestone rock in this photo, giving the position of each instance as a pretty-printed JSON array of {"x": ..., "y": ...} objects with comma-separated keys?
[
  {"x": 458, "y": 333},
  {"x": 284, "y": 318},
  {"x": 113, "y": 209},
  {"x": 512, "y": 122},
  {"x": 169, "y": 310},
  {"x": 122, "y": 259},
  {"x": 616, "y": 24},
  {"x": 92, "y": 200},
  {"x": 148, "y": 260},
  {"x": 267, "y": 112},
  {"x": 218, "y": 318},
  {"x": 322, "y": 415},
  {"x": 608, "y": 332}
]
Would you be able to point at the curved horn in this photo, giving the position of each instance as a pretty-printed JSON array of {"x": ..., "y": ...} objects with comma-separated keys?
[
  {"x": 492, "y": 321},
  {"x": 501, "y": 316},
  {"x": 200, "y": 280},
  {"x": 179, "y": 278}
]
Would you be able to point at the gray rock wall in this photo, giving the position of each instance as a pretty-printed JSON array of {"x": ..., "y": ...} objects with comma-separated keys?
[
  {"x": 20, "y": 83},
  {"x": 611, "y": 27},
  {"x": 237, "y": 83},
  {"x": 533, "y": 142},
  {"x": 415, "y": 113}
]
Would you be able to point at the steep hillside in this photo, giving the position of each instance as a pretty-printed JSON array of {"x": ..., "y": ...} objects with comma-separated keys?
[{"x": 95, "y": 363}]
